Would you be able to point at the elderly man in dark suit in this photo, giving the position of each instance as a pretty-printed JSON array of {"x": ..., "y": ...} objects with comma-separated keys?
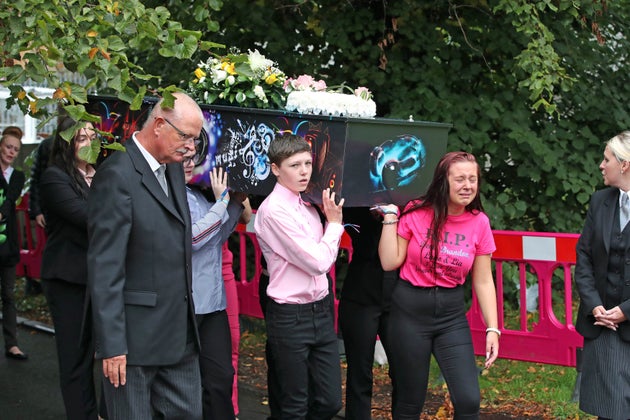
[{"x": 139, "y": 270}]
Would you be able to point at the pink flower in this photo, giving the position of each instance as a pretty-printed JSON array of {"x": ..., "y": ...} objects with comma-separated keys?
[
  {"x": 303, "y": 82},
  {"x": 319, "y": 85},
  {"x": 363, "y": 93}
]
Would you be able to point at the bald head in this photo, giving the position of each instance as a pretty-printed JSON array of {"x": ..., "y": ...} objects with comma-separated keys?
[{"x": 169, "y": 133}]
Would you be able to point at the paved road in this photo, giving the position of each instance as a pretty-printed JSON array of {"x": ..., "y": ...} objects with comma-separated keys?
[{"x": 30, "y": 390}]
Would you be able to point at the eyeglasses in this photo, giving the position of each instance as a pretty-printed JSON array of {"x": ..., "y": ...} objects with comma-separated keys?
[{"x": 188, "y": 138}]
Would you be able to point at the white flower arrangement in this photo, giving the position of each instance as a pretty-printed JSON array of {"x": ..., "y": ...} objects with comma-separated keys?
[
  {"x": 330, "y": 104},
  {"x": 309, "y": 96},
  {"x": 252, "y": 80},
  {"x": 248, "y": 80}
]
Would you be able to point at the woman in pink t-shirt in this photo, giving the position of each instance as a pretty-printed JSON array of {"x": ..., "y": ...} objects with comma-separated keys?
[{"x": 436, "y": 242}]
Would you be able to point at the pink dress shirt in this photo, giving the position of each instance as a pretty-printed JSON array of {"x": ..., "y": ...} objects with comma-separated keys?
[{"x": 298, "y": 251}]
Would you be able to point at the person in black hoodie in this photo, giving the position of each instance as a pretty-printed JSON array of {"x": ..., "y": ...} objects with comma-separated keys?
[{"x": 363, "y": 309}]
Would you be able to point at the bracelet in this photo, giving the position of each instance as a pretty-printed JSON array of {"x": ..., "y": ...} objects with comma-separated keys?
[
  {"x": 387, "y": 211},
  {"x": 391, "y": 222},
  {"x": 494, "y": 330},
  {"x": 224, "y": 201}
]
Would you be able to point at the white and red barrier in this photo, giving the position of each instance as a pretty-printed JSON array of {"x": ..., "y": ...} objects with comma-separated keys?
[{"x": 548, "y": 340}]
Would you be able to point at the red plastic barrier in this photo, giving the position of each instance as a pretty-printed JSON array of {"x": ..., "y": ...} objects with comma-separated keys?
[
  {"x": 548, "y": 340},
  {"x": 31, "y": 239}
]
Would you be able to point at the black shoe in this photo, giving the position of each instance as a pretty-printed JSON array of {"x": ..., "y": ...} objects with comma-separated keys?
[{"x": 16, "y": 356}]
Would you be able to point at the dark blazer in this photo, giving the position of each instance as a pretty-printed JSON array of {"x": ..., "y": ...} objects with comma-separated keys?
[
  {"x": 40, "y": 163},
  {"x": 139, "y": 261},
  {"x": 65, "y": 209},
  {"x": 10, "y": 250},
  {"x": 591, "y": 270}
]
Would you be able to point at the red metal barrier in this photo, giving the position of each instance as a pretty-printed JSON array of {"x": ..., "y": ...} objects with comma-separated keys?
[{"x": 546, "y": 340}]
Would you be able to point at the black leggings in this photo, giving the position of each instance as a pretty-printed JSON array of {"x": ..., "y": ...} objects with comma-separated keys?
[{"x": 427, "y": 321}]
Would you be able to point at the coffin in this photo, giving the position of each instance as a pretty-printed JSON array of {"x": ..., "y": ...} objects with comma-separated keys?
[{"x": 365, "y": 161}]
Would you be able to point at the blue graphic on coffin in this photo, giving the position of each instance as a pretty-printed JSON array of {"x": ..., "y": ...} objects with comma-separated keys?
[{"x": 396, "y": 163}]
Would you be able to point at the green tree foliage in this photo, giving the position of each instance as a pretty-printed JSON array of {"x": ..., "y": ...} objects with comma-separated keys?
[
  {"x": 532, "y": 88},
  {"x": 98, "y": 39}
]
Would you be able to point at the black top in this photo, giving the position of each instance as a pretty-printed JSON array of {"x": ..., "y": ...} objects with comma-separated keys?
[
  {"x": 40, "y": 163},
  {"x": 10, "y": 249},
  {"x": 366, "y": 283}
]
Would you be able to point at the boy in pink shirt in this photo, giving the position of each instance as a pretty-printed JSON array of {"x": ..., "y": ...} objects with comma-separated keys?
[{"x": 299, "y": 252}]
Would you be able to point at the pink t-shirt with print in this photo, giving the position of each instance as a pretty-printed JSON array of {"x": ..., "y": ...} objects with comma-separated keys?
[{"x": 464, "y": 237}]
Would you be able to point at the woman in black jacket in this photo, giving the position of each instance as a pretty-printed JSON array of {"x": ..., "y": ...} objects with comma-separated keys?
[
  {"x": 11, "y": 183},
  {"x": 64, "y": 188}
]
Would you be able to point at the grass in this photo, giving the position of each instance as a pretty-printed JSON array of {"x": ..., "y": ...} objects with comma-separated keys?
[{"x": 522, "y": 383}]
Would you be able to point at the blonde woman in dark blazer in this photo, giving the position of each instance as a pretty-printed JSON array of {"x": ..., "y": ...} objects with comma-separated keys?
[{"x": 602, "y": 275}]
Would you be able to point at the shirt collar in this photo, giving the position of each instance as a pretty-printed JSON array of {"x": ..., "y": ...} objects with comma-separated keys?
[
  {"x": 153, "y": 163},
  {"x": 87, "y": 175},
  {"x": 289, "y": 196}
]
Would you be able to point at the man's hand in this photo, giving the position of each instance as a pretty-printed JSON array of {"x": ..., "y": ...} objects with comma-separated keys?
[{"x": 115, "y": 368}]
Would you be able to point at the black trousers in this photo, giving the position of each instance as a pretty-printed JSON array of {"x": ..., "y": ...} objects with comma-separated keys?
[
  {"x": 75, "y": 347},
  {"x": 429, "y": 321},
  {"x": 360, "y": 325},
  {"x": 304, "y": 348},
  {"x": 273, "y": 387},
  {"x": 215, "y": 362},
  {"x": 9, "y": 313}
]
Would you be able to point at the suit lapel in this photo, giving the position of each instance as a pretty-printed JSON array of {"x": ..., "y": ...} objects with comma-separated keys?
[
  {"x": 175, "y": 176},
  {"x": 150, "y": 181}
]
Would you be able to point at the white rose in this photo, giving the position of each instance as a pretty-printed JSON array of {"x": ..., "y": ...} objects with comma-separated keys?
[{"x": 258, "y": 62}]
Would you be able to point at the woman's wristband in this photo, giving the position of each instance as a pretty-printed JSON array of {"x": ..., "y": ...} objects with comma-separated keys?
[
  {"x": 391, "y": 222},
  {"x": 494, "y": 330}
]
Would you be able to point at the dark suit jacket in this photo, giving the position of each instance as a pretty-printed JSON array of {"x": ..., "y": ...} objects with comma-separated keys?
[
  {"x": 591, "y": 270},
  {"x": 65, "y": 209},
  {"x": 40, "y": 163},
  {"x": 10, "y": 249},
  {"x": 139, "y": 261}
]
